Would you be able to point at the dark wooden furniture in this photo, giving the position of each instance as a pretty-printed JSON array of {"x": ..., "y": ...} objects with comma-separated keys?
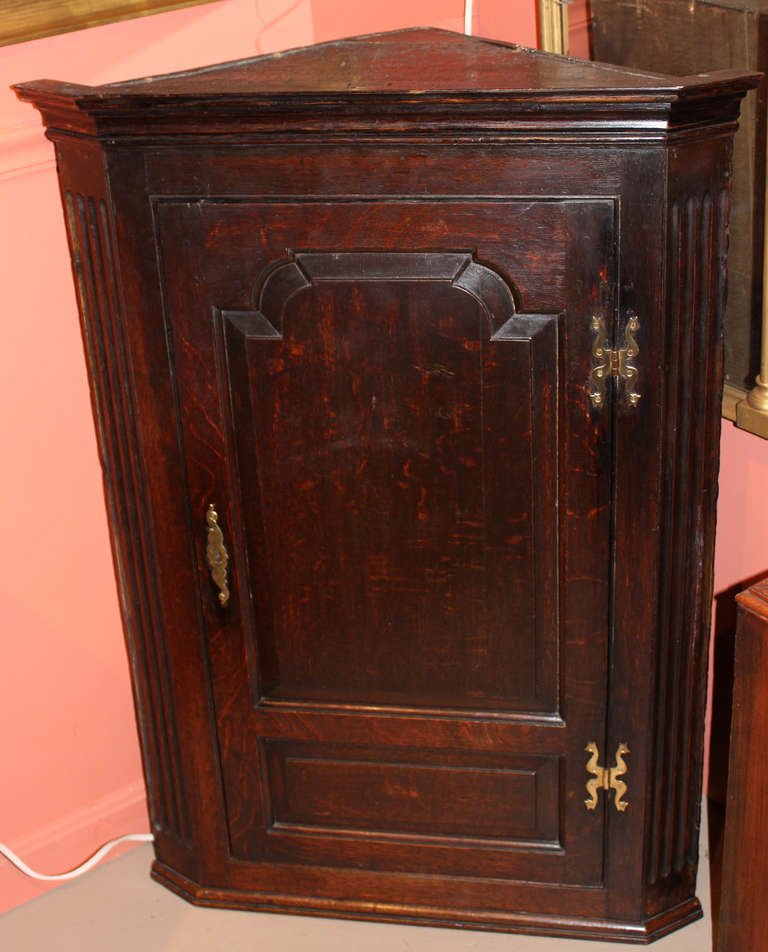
[
  {"x": 406, "y": 366},
  {"x": 675, "y": 36},
  {"x": 744, "y": 896}
]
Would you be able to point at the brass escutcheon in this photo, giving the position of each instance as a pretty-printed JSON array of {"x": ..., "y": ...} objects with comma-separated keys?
[{"x": 216, "y": 554}]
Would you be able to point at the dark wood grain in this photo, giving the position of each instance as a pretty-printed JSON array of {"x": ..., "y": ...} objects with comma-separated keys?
[
  {"x": 697, "y": 248},
  {"x": 384, "y": 63},
  {"x": 379, "y": 85},
  {"x": 468, "y": 798},
  {"x": 396, "y": 568},
  {"x": 743, "y": 907},
  {"x": 349, "y": 300}
]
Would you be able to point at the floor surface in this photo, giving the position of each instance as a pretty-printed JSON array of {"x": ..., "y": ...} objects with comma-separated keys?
[{"x": 117, "y": 908}]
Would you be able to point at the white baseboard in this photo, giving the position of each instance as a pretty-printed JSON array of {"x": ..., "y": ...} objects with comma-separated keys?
[{"x": 68, "y": 840}]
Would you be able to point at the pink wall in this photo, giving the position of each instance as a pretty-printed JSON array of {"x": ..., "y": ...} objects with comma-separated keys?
[
  {"x": 71, "y": 772},
  {"x": 742, "y": 514},
  {"x": 578, "y": 28},
  {"x": 741, "y": 555}
]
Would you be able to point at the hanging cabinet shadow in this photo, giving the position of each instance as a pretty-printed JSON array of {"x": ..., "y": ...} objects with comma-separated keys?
[{"x": 405, "y": 355}]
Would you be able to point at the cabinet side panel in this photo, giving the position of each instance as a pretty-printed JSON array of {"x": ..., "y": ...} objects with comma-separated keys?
[
  {"x": 666, "y": 36},
  {"x": 693, "y": 368},
  {"x": 97, "y": 280},
  {"x": 744, "y": 911}
]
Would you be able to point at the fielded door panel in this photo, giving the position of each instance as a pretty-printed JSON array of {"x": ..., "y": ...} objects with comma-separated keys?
[{"x": 386, "y": 404}]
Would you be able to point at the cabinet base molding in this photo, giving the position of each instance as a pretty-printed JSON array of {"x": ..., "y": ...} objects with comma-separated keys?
[{"x": 489, "y": 920}]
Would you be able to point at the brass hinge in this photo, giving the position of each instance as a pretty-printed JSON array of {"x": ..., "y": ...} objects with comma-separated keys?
[
  {"x": 606, "y": 778},
  {"x": 614, "y": 363}
]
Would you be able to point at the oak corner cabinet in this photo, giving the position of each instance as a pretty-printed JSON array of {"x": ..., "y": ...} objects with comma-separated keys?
[{"x": 405, "y": 356}]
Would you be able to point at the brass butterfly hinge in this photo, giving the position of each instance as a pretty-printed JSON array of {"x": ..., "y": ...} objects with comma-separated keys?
[
  {"x": 614, "y": 363},
  {"x": 216, "y": 554},
  {"x": 606, "y": 778}
]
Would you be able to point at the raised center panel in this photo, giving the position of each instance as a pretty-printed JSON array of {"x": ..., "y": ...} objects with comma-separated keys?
[{"x": 402, "y": 550}]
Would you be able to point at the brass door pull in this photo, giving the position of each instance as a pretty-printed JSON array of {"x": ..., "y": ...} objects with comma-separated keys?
[{"x": 216, "y": 554}]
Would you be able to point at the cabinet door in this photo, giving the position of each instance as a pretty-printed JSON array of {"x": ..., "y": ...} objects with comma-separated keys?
[{"x": 386, "y": 402}]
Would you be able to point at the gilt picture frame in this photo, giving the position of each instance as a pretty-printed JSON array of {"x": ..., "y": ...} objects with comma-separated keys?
[{"x": 24, "y": 20}]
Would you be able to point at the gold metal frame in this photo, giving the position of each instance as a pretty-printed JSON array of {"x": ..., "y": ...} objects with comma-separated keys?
[
  {"x": 553, "y": 25},
  {"x": 24, "y": 20},
  {"x": 749, "y": 411}
]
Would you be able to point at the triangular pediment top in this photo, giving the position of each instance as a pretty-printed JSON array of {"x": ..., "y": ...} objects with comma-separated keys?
[
  {"x": 415, "y": 62},
  {"x": 413, "y": 81},
  {"x": 419, "y": 60}
]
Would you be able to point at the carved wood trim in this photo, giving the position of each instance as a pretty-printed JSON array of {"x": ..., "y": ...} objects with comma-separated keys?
[
  {"x": 283, "y": 279},
  {"x": 697, "y": 244},
  {"x": 97, "y": 283}
]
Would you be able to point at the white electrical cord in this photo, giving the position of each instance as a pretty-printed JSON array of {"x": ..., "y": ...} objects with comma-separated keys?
[
  {"x": 83, "y": 867},
  {"x": 468, "y": 17}
]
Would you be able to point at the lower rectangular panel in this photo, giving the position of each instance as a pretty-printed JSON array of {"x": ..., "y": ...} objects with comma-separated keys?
[{"x": 411, "y": 794}]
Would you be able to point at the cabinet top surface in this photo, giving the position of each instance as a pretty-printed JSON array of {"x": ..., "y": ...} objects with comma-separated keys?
[{"x": 416, "y": 63}]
